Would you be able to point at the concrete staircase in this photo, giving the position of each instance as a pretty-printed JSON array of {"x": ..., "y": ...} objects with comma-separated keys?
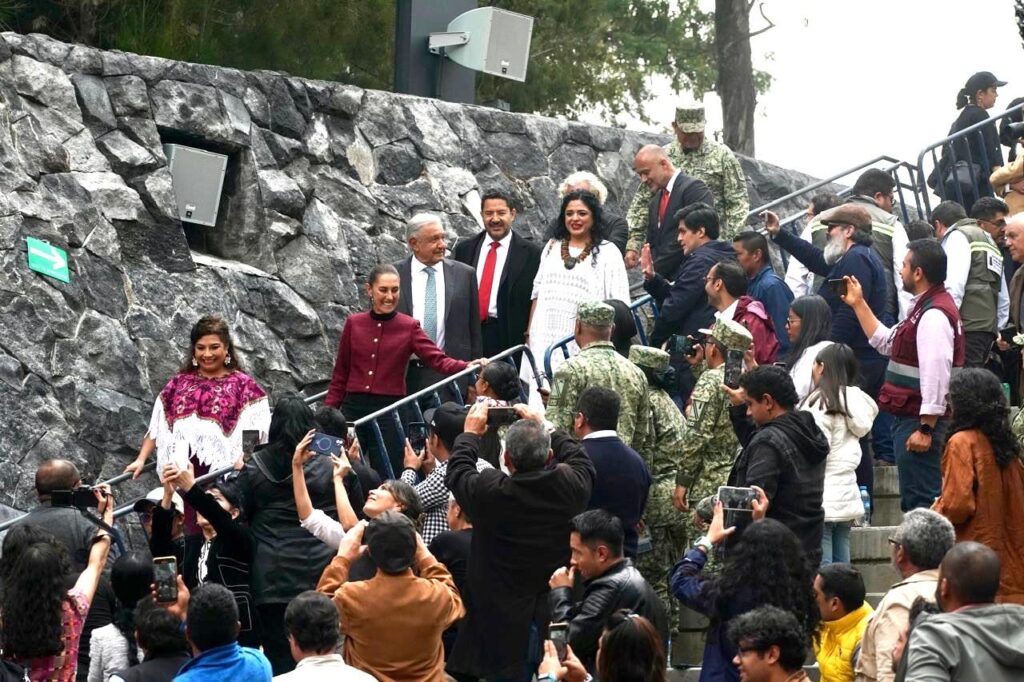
[{"x": 869, "y": 552}]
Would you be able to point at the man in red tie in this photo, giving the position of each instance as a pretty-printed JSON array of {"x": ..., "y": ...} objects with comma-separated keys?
[
  {"x": 672, "y": 190},
  {"x": 506, "y": 264}
]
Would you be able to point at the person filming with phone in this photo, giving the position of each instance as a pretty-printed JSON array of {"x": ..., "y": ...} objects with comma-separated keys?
[{"x": 923, "y": 350}]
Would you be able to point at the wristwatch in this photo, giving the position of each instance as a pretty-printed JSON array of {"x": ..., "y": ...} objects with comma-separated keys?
[
  {"x": 926, "y": 429},
  {"x": 704, "y": 543}
]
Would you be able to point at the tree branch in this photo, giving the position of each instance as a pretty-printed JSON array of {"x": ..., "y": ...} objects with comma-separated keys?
[{"x": 771, "y": 25}]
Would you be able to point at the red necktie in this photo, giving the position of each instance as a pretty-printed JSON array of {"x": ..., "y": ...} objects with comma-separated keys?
[
  {"x": 662, "y": 207},
  {"x": 487, "y": 280}
]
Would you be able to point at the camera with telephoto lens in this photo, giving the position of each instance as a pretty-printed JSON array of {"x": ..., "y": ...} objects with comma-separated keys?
[{"x": 81, "y": 497}]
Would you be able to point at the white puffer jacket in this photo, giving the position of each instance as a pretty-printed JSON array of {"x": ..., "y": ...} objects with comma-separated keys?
[{"x": 841, "y": 497}]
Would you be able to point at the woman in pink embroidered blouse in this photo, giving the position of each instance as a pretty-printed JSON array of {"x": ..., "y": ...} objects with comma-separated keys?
[
  {"x": 201, "y": 413},
  {"x": 41, "y": 619}
]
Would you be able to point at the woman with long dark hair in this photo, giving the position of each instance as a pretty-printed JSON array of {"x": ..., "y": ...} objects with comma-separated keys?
[
  {"x": 809, "y": 325},
  {"x": 844, "y": 413},
  {"x": 978, "y": 154},
  {"x": 630, "y": 650},
  {"x": 983, "y": 477},
  {"x": 40, "y": 618},
  {"x": 577, "y": 264},
  {"x": 766, "y": 566},
  {"x": 113, "y": 646},
  {"x": 286, "y": 559},
  {"x": 201, "y": 413}
]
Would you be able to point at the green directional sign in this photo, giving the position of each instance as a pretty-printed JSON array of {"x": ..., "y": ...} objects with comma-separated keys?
[{"x": 47, "y": 259}]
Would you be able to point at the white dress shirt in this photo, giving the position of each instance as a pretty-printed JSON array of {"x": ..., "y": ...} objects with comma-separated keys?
[
  {"x": 671, "y": 184},
  {"x": 329, "y": 667},
  {"x": 729, "y": 313},
  {"x": 499, "y": 266},
  {"x": 419, "y": 295},
  {"x": 798, "y": 278},
  {"x": 958, "y": 269},
  {"x": 606, "y": 433}
]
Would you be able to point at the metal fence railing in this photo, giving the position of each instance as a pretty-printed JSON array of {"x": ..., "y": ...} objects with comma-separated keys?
[
  {"x": 641, "y": 331},
  {"x": 369, "y": 420}
]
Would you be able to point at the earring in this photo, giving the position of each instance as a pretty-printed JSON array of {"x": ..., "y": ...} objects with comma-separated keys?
[
  {"x": 227, "y": 360},
  {"x": 195, "y": 363}
]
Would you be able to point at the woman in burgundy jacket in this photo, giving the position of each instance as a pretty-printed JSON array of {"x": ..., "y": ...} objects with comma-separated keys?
[{"x": 369, "y": 370}]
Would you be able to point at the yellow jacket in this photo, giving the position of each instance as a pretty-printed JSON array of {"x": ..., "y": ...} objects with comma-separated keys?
[{"x": 837, "y": 642}]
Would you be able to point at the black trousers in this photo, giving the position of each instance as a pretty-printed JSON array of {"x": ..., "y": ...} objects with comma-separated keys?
[
  {"x": 977, "y": 346},
  {"x": 275, "y": 638},
  {"x": 359, "y": 405},
  {"x": 490, "y": 337}
]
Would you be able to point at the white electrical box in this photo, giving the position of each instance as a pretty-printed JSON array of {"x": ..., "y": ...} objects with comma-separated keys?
[{"x": 198, "y": 178}]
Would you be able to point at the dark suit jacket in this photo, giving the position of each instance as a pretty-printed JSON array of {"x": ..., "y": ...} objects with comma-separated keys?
[
  {"x": 662, "y": 237},
  {"x": 461, "y": 307},
  {"x": 515, "y": 285},
  {"x": 622, "y": 485}
]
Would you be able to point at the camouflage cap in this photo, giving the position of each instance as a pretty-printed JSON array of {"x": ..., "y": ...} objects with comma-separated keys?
[
  {"x": 690, "y": 119},
  {"x": 732, "y": 334},
  {"x": 646, "y": 356},
  {"x": 595, "y": 313},
  {"x": 705, "y": 508}
]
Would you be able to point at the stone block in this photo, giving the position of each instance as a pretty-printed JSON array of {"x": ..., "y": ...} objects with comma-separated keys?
[
  {"x": 126, "y": 157},
  {"x": 878, "y": 576},
  {"x": 128, "y": 95},
  {"x": 870, "y": 543},
  {"x": 94, "y": 102},
  {"x": 886, "y": 512},
  {"x": 281, "y": 193}
]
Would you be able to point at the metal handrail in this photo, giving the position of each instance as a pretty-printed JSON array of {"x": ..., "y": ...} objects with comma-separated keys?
[
  {"x": 507, "y": 354},
  {"x": 564, "y": 343},
  {"x": 948, "y": 140}
]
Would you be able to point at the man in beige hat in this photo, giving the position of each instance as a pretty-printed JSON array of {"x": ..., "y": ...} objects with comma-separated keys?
[
  {"x": 714, "y": 163},
  {"x": 599, "y": 364}
]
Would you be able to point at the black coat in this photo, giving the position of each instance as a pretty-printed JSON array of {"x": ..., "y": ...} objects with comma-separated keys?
[
  {"x": 663, "y": 236},
  {"x": 620, "y": 587},
  {"x": 520, "y": 536},
  {"x": 227, "y": 562},
  {"x": 622, "y": 485},
  {"x": 515, "y": 285},
  {"x": 785, "y": 457},
  {"x": 683, "y": 303},
  {"x": 287, "y": 559}
]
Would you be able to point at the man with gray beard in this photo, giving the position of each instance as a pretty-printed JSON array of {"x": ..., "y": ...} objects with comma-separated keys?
[{"x": 847, "y": 253}]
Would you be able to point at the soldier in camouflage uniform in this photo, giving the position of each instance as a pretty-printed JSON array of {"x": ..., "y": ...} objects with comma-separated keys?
[
  {"x": 707, "y": 160},
  {"x": 599, "y": 364},
  {"x": 709, "y": 443},
  {"x": 662, "y": 521}
]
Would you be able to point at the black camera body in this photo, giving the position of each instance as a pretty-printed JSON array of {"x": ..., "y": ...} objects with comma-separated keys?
[
  {"x": 680, "y": 345},
  {"x": 81, "y": 497},
  {"x": 1016, "y": 130}
]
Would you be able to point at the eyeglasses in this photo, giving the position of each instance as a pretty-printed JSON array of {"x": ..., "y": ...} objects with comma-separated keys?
[
  {"x": 1001, "y": 223},
  {"x": 894, "y": 543}
]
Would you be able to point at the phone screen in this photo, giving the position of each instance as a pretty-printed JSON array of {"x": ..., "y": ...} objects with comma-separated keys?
[
  {"x": 165, "y": 576},
  {"x": 250, "y": 439},
  {"x": 325, "y": 444},
  {"x": 417, "y": 436},
  {"x": 733, "y": 367},
  {"x": 558, "y": 632},
  {"x": 838, "y": 286}
]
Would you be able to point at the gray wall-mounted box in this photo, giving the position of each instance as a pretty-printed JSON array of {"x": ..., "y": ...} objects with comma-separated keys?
[{"x": 198, "y": 178}]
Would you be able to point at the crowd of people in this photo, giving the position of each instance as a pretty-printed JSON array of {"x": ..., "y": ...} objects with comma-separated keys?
[{"x": 513, "y": 526}]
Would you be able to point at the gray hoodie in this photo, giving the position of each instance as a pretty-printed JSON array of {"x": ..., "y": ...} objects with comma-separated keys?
[{"x": 975, "y": 644}]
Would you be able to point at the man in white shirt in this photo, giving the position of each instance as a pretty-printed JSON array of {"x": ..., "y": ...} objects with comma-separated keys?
[
  {"x": 441, "y": 294},
  {"x": 311, "y": 621}
]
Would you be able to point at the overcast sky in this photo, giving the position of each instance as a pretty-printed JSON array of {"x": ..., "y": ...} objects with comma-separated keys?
[{"x": 857, "y": 79}]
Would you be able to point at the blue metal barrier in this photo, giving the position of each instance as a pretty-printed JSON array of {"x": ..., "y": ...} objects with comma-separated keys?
[
  {"x": 950, "y": 159},
  {"x": 634, "y": 308}
]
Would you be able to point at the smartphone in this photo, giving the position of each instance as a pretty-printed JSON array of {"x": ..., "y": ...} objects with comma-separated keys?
[
  {"x": 733, "y": 367},
  {"x": 558, "y": 633},
  {"x": 165, "y": 577},
  {"x": 838, "y": 286},
  {"x": 417, "y": 436},
  {"x": 680, "y": 345},
  {"x": 736, "y": 499},
  {"x": 323, "y": 444},
  {"x": 501, "y": 416},
  {"x": 250, "y": 439}
]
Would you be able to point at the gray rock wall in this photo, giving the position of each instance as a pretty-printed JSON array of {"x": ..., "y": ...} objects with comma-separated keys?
[{"x": 320, "y": 179}]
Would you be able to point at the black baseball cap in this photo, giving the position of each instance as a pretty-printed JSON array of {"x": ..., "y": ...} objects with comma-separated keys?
[
  {"x": 983, "y": 80},
  {"x": 447, "y": 420},
  {"x": 391, "y": 539}
]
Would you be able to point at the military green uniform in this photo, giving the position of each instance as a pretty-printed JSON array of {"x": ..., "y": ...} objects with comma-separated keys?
[
  {"x": 662, "y": 521},
  {"x": 598, "y": 364},
  {"x": 712, "y": 162},
  {"x": 709, "y": 442}
]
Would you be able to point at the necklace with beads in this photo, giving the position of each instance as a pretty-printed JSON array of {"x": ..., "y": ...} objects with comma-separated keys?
[{"x": 570, "y": 261}]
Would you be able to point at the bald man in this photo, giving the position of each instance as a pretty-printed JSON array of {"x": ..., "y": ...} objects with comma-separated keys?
[
  {"x": 973, "y": 638},
  {"x": 671, "y": 190},
  {"x": 67, "y": 524}
]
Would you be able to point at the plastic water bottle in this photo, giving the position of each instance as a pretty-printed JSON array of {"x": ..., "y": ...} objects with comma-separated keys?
[{"x": 865, "y": 499}]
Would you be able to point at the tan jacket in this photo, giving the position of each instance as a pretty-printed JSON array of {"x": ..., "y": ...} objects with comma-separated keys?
[
  {"x": 1001, "y": 179},
  {"x": 393, "y": 623},
  {"x": 890, "y": 620}
]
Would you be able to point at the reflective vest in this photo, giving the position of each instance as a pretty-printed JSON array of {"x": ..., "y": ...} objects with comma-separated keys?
[
  {"x": 819, "y": 237},
  {"x": 980, "y": 305},
  {"x": 901, "y": 392},
  {"x": 883, "y": 224}
]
